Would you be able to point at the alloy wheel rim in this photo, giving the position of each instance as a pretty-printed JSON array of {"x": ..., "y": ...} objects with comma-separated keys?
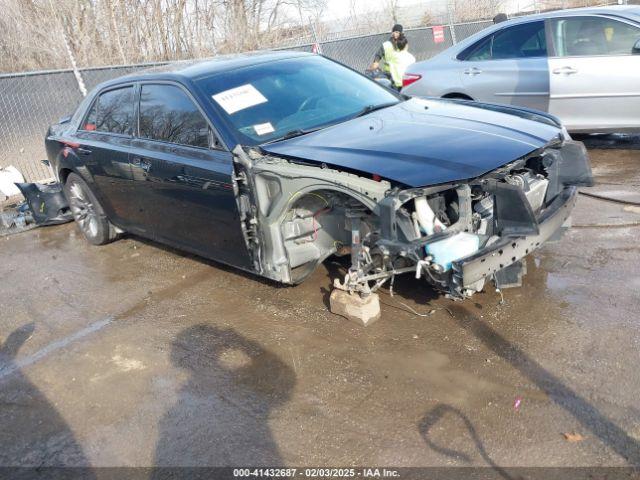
[{"x": 83, "y": 211}]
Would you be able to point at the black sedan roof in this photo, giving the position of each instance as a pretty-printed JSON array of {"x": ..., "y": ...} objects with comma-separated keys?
[{"x": 194, "y": 69}]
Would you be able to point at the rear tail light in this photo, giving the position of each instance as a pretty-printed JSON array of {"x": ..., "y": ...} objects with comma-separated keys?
[{"x": 409, "y": 78}]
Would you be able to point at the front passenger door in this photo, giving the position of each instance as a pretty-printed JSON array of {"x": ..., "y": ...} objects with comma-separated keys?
[
  {"x": 595, "y": 77},
  {"x": 186, "y": 195},
  {"x": 509, "y": 66}
]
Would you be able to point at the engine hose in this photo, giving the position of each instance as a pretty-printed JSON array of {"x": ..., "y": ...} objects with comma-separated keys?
[{"x": 609, "y": 199}]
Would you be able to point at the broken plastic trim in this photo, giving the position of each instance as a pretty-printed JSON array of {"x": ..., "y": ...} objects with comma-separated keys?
[
  {"x": 513, "y": 214},
  {"x": 494, "y": 258},
  {"x": 47, "y": 203},
  {"x": 244, "y": 189},
  {"x": 567, "y": 166}
]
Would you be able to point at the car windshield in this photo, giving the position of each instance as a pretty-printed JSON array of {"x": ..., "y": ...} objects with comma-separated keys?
[{"x": 290, "y": 97}]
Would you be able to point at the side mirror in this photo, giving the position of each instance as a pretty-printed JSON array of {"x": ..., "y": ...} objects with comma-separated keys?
[{"x": 636, "y": 48}]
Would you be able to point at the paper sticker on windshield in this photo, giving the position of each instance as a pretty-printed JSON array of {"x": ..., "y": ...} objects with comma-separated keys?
[
  {"x": 263, "y": 128},
  {"x": 239, "y": 98}
]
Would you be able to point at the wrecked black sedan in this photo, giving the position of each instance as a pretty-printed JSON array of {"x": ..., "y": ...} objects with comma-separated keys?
[{"x": 273, "y": 162}]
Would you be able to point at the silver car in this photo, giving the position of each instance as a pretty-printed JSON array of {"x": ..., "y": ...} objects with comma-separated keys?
[{"x": 582, "y": 65}]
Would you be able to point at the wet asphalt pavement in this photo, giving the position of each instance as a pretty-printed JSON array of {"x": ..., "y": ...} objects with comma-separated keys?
[{"x": 135, "y": 354}]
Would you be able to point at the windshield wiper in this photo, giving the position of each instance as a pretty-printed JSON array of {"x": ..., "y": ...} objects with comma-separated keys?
[
  {"x": 294, "y": 133},
  {"x": 297, "y": 132},
  {"x": 373, "y": 108}
]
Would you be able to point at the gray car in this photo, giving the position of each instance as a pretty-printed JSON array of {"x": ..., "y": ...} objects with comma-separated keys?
[{"x": 582, "y": 65}]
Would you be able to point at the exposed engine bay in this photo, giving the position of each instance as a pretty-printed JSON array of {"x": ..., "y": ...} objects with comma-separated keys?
[{"x": 453, "y": 236}]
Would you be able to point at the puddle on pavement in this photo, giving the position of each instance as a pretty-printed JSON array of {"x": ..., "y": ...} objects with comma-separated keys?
[{"x": 616, "y": 167}]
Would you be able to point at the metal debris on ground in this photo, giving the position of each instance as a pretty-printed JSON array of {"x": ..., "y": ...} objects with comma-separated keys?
[
  {"x": 406, "y": 308},
  {"x": 430, "y": 312},
  {"x": 17, "y": 219}
]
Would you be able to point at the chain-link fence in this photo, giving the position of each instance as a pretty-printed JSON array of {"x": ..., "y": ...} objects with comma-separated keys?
[
  {"x": 29, "y": 102},
  {"x": 358, "y": 51}
]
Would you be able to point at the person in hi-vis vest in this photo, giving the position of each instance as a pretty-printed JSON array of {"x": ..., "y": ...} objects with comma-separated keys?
[
  {"x": 380, "y": 61},
  {"x": 399, "y": 60}
]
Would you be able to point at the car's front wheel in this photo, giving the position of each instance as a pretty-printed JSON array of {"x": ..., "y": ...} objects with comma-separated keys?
[{"x": 87, "y": 211}]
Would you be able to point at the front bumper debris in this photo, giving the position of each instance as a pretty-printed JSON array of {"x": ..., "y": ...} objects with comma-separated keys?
[
  {"x": 490, "y": 260},
  {"x": 45, "y": 204}
]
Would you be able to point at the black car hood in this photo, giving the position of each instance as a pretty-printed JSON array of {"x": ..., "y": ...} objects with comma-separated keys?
[{"x": 424, "y": 142}]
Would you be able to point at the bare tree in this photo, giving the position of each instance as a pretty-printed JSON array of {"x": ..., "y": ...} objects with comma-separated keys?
[
  {"x": 391, "y": 10},
  {"x": 34, "y": 34}
]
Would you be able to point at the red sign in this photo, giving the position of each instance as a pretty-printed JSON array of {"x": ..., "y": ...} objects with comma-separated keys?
[{"x": 438, "y": 34}]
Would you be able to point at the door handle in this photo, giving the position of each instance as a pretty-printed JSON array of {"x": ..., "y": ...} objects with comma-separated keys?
[
  {"x": 83, "y": 151},
  {"x": 472, "y": 71},
  {"x": 566, "y": 70}
]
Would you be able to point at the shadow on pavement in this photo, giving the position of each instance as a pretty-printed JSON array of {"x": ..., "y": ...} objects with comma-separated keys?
[
  {"x": 33, "y": 433},
  {"x": 434, "y": 416},
  {"x": 221, "y": 415},
  {"x": 586, "y": 414}
]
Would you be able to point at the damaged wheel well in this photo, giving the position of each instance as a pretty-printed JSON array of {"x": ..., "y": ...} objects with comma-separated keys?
[
  {"x": 317, "y": 224},
  {"x": 294, "y": 216}
]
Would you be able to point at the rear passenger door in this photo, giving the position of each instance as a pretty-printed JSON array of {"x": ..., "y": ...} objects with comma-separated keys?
[
  {"x": 595, "y": 77},
  {"x": 509, "y": 66},
  {"x": 105, "y": 136},
  {"x": 183, "y": 176}
]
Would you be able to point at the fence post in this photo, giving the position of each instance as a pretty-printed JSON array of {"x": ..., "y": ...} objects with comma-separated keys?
[
  {"x": 452, "y": 30},
  {"x": 453, "y": 34},
  {"x": 315, "y": 37}
]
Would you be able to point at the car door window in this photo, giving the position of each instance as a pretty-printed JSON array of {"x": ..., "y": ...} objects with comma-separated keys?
[
  {"x": 520, "y": 41},
  {"x": 112, "y": 112},
  {"x": 591, "y": 36},
  {"x": 168, "y": 114},
  {"x": 481, "y": 50}
]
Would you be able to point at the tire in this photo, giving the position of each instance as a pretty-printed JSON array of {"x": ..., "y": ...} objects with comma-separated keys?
[
  {"x": 458, "y": 96},
  {"x": 87, "y": 212}
]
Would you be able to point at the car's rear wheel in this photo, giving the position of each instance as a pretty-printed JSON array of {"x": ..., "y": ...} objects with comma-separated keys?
[{"x": 87, "y": 211}]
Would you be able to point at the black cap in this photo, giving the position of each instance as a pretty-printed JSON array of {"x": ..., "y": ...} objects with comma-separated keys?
[
  {"x": 501, "y": 17},
  {"x": 397, "y": 28}
]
